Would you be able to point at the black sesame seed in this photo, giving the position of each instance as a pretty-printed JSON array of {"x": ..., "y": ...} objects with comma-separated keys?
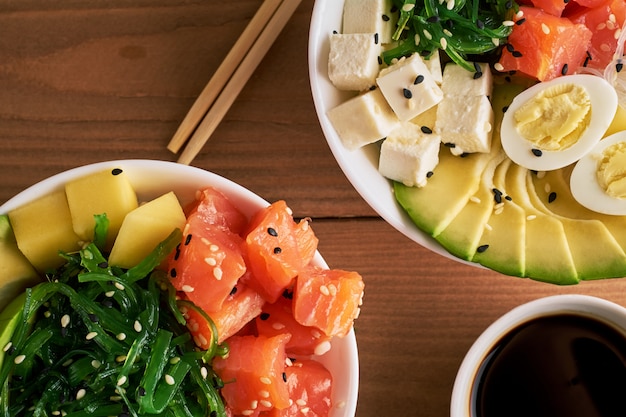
[
  {"x": 272, "y": 232},
  {"x": 508, "y": 4},
  {"x": 94, "y": 318},
  {"x": 264, "y": 316},
  {"x": 173, "y": 273},
  {"x": 277, "y": 250},
  {"x": 504, "y": 109},
  {"x": 537, "y": 152},
  {"x": 188, "y": 239},
  {"x": 116, "y": 171},
  {"x": 480, "y": 24},
  {"x": 482, "y": 248},
  {"x": 464, "y": 154},
  {"x": 11, "y": 350},
  {"x": 619, "y": 66},
  {"x": 107, "y": 303},
  {"x": 233, "y": 291},
  {"x": 335, "y": 32},
  {"x": 288, "y": 294},
  {"x": 177, "y": 253},
  {"x": 564, "y": 69},
  {"x": 522, "y": 20},
  {"x": 213, "y": 413},
  {"x": 63, "y": 331},
  {"x": 509, "y": 47},
  {"x": 103, "y": 264},
  {"x": 380, "y": 60},
  {"x": 407, "y": 93},
  {"x": 429, "y": 174},
  {"x": 394, "y": 9},
  {"x": 284, "y": 376},
  {"x": 449, "y": 145},
  {"x": 427, "y": 130},
  {"x": 385, "y": 18},
  {"x": 433, "y": 19},
  {"x": 477, "y": 75},
  {"x": 375, "y": 38},
  {"x": 551, "y": 197},
  {"x": 516, "y": 54},
  {"x": 477, "y": 67},
  {"x": 497, "y": 195},
  {"x": 565, "y": 1},
  {"x": 508, "y": 198},
  {"x": 418, "y": 79},
  {"x": 508, "y": 79},
  {"x": 141, "y": 391},
  {"x": 372, "y": 88}
]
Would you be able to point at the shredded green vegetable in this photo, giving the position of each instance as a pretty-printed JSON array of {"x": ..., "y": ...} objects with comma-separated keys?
[
  {"x": 101, "y": 341},
  {"x": 460, "y": 28}
]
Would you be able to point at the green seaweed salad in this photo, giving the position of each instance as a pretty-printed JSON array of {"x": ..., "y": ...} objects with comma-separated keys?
[
  {"x": 95, "y": 340},
  {"x": 461, "y": 28}
]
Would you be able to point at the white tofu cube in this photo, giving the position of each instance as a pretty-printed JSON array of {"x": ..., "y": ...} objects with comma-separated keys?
[
  {"x": 363, "y": 119},
  {"x": 433, "y": 63},
  {"x": 465, "y": 123},
  {"x": 409, "y": 155},
  {"x": 370, "y": 16},
  {"x": 353, "y": 62},
  {"x": 457, "y": 80},
  {"x": 409, "y": 87}
]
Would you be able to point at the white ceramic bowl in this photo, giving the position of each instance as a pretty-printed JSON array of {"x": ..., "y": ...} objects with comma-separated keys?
[
  {"x": 599, "y": 308},
  {"x": 360, "y": 166},
  {"x": 153, "y": 178}
]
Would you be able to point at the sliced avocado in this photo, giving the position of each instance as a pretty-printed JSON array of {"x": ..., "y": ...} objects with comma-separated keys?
[
  {"x": 596, "y": 252},
  {"x": 462, "y": 235},
  {"x": 548, "y": 255},
  {"x": 16, "y": 272},
  {"x": 9, "y": 317},
  {"x": 503, "y": 242}
]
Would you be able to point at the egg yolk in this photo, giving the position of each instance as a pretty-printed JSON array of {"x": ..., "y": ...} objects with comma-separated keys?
[
  {"x": 555, "y": 118},
  {"x": 611, "y": 172}
]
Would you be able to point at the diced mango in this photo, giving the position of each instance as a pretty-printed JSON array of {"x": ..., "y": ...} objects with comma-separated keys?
[
  {"x": 42, "y": 228},
  {"x": 144, "y": 228},
  {"x": 107, "y": 192},
  {"x": 16, "y": 273}
]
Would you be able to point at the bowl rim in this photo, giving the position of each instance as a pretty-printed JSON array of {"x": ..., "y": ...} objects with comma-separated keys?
[{"x": 343, "y": 350}]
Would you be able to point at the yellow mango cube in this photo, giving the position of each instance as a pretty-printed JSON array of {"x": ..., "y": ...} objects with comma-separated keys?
[
  {"x": 16, "y": 273},
  {"x": 42, "y": 228},
  {"x": 107, "y": 192},
  {"x": 144, "y": 228}
]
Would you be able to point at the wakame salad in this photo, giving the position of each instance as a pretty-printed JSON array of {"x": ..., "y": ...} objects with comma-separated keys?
[{"x": 96, "y": 340}]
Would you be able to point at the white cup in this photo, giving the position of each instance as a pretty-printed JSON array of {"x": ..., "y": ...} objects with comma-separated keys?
[{"x": 589, "y": 306}]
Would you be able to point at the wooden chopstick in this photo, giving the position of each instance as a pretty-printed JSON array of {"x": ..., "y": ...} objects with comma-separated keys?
[
  {"x": 238, "y": 79},
  {"x": 223, "y": 73}
]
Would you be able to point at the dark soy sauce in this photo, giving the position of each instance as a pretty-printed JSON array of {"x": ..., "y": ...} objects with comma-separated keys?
[{"x": 562, "y": 365}]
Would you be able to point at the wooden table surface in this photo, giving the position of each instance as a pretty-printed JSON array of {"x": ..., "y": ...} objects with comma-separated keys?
[{"x": 83, "y": 81}]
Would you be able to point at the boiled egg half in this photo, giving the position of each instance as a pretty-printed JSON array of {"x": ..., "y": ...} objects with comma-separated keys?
[
  {"x": 555, "y": 123},
  {"x": 598, "y": 180}
]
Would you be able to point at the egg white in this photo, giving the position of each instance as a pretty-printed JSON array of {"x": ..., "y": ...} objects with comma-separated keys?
[
  {"x": 603, "y": 107},
  {"x": 584, "y": 182}
]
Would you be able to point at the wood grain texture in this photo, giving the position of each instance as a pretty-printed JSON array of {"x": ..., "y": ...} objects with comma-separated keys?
[{"x": 83, "y": 81}]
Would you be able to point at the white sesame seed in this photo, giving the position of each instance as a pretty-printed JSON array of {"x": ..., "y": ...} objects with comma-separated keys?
[
  {"x": 204, "y": 372},
  {"x": 488, "y": 227},
  {"x": 324, "y": 290},
  {"x": 19, "y": 359},
  {"x": 499, "y": 210},
  {"x": 188, "y": 288},
  {"x": 91, "y": 335},
  {"x": 169, "y": 379},
  {"x": 81, "y": 394},
  {"x": 601, "y": 26},
  {"x": 333, "y": 289},
  {"x": 214, "y": 248},
  {"x": 115, "y": 398},
  {"x": 278, "y": 326},
  {"x": 67, "y": 363},
  {"x": 341, "y": 404},
  {"x": 508, "y": 23},
  {"x": 519, "y": 14},
  {"x": 531, "y": 217},
  {"x": 288, "y": 362},
  {"x": 137, "y": 326},
  {"x": 121, "y": 381},
  {"x": 450, "y": 4},
  {"x": 498, "y": 66},
  {"x": 186, "y": 229},
  {"x": 447, "y": 32},
  {"x": 541, "y": 174},
  {"x": 427, "y": 34},
  {"x": 56, "y": 413},
  {"x": 300, "y": 402},
  {"x": 443, "y": 42},
  {"x": 65, "y": 320},
  {"x": 119, "y": 286},
  {"x": 305, "y": 410},
  {"x": 495, "y": 41},
  {"x": 322, "y": 348},
  {"x": 547, "y": 188},
  {"x": 617, "y": 33},
  {"x": 175, "y": 360},
  {"x": 96, "y": 363},
  {"x": 475, "y": 199},
  {"x": 254, "y": 404},
  {"x": 316, "y": 333},
  {"x": 202, "y": 339},
  {"x": 612, "y": 18},
  {"x": 217, "y": 272},
  {"x": 109, "y": 293},
  {"x": 120, "y": 358},
  {"x": 7, "y": 347},
  {"x": 266, "y": 403},
  {"x": 408, "y": 7},
  {"x": 210, "y": 261},
  {"x": 605, "y": 47},
  {"x": 545, "y": 28},
  {"x": 47, "y": 314},
  {"x": 121, "y": 336},
  {"x": 265, "y": 380},
  {"x": 416, "y": 39},
  {"x": 264, "y": 394},
  {"x": 247, "y": 412}
]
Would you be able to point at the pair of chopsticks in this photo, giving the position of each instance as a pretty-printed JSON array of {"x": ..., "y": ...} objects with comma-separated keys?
[{"x": 219, "y": 94}]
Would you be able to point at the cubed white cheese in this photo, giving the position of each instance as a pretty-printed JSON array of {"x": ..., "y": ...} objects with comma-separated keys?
[
  {"x": 457, "y": 80},
  {"x": 353, "y": 62},
  {"x": 465, "y": 123},
  {"x": 408, "y": 155},
  {"x": 370, "y": 16},
  {"x": 363, "y": 119},
  {"x": 433, "y": 63},
  {"x": 409, "y": 87}
]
